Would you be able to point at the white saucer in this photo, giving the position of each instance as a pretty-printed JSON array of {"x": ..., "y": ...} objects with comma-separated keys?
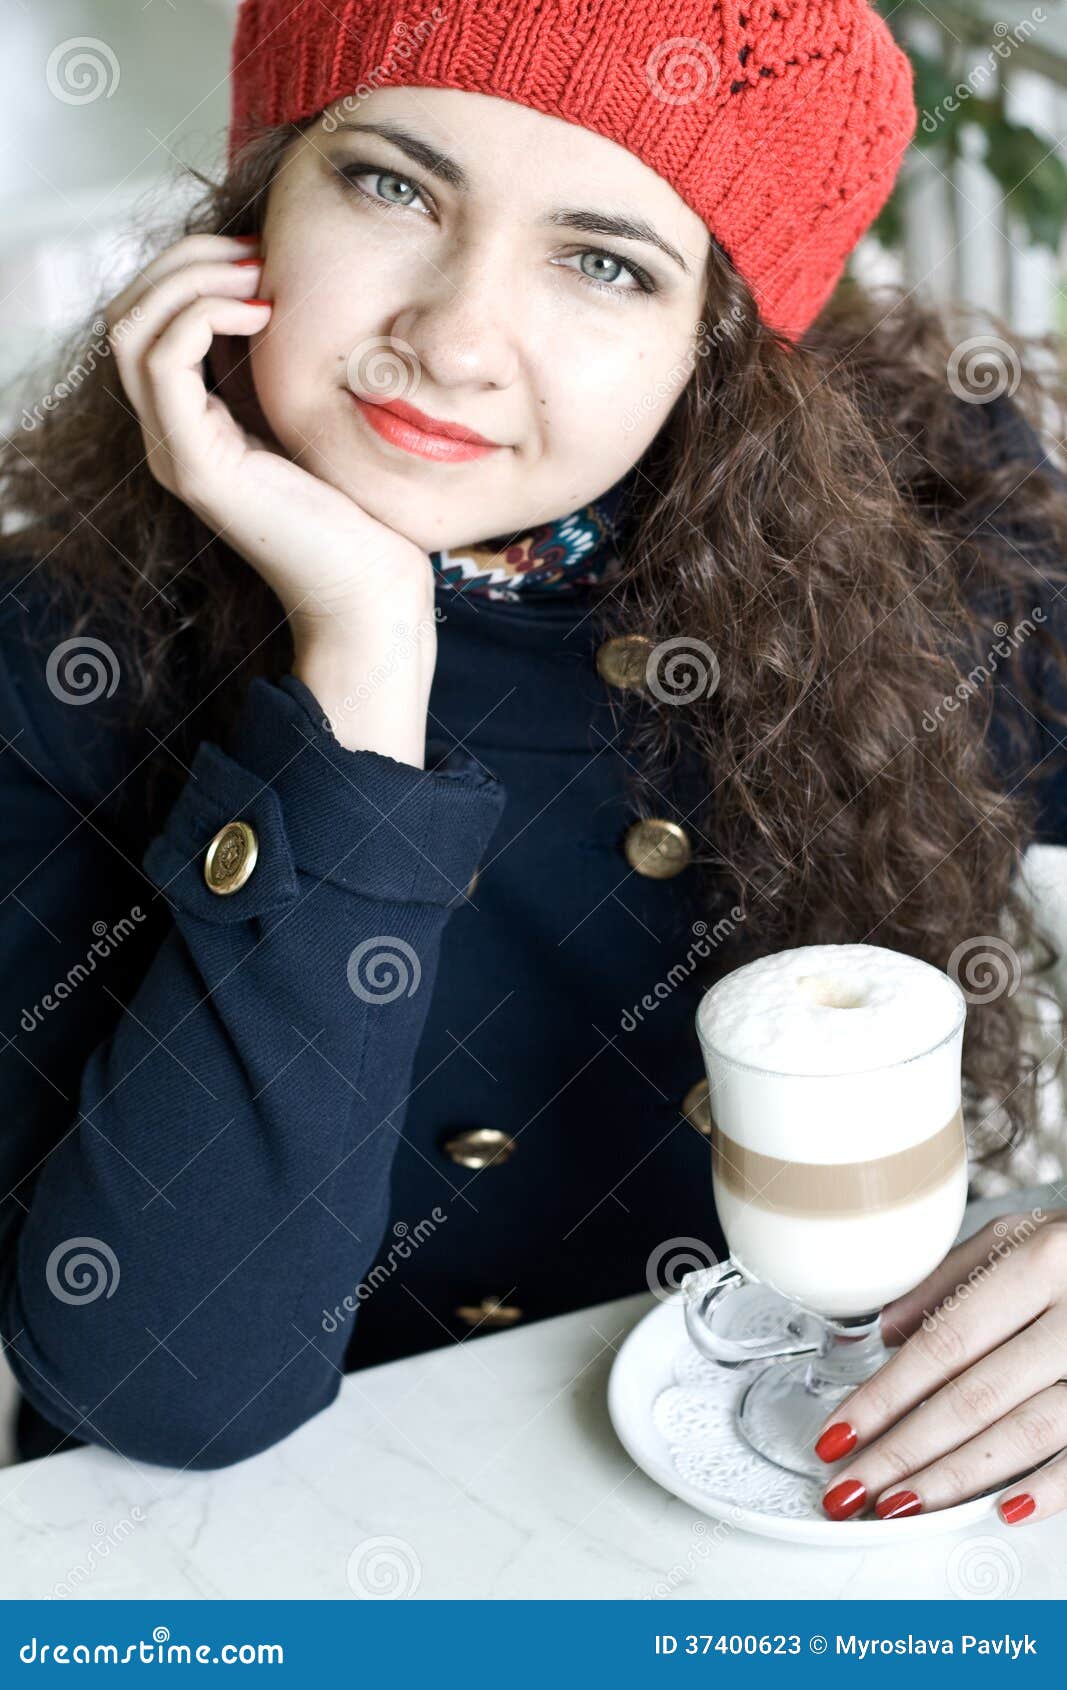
[{"x": 673, "y": 1411}]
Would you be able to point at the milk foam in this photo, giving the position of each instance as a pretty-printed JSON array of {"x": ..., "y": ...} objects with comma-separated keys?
[
  {"x": 825, "y": 1053},
  {"x": 830, "y": 1009}
]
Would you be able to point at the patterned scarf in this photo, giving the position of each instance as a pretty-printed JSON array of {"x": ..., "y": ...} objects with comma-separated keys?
[{"x": 578, "y": 550}]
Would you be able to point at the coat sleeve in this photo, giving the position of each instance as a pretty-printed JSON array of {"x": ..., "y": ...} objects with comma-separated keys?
[{"x": 197, "y": 1167}]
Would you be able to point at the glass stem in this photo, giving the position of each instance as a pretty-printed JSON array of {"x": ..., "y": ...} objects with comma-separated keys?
[{"x": 853, "y": 1350}]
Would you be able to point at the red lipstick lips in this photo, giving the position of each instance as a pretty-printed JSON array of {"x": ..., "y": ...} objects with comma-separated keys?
[{"x": 428, "y": 437}]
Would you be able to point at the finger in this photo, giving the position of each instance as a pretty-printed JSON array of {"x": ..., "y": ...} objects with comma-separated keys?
[
  {"x": 1029, "y": 1434},
  {"x": 173, "y": 365},
  {"x": 131, "y": 336},
  {"x": 960, "y": 1272},
  {"x": 191, "y": 249},
  {"x": 979, "y": 1398},
  {"x": 1044, "y": 1493},
  {"x": 1015, "y": 1291}
]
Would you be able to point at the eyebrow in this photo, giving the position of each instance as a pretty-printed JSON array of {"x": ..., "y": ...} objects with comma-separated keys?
[{"x": 438, "y": 164}]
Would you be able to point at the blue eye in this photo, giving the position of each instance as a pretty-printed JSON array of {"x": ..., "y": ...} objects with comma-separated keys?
[
  {"x": 351, "y": 172},
  {"x": 644, "y": 281}
]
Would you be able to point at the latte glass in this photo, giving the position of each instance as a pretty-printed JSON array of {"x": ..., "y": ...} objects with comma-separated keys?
[{"x": 839, "y": 1190}]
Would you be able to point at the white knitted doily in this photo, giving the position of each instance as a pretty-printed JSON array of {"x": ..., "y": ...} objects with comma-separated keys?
[{"x": 696, "y": 1416}]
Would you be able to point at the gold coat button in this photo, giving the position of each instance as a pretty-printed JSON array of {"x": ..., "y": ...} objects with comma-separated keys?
[
  {"x": 480, "y": 1147},
  {"x": 657, "y": 847},
  {"x": 696, "y": 1106},
  {"x": 231, "y": 857},
  {"x": 489, "y": 1312},
  {"x": 473, "y": 881},
  {"x": 623, "y": 660}
]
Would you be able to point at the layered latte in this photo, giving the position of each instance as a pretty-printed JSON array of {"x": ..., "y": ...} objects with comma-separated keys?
[{"x": 839, "y": 1158}]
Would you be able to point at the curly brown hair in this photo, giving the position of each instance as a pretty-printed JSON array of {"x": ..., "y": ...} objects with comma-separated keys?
[{"x": 839, "y": 522}]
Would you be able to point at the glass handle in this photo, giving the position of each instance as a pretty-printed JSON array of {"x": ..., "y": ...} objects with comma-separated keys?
[{"x": 703, "y": 1293}]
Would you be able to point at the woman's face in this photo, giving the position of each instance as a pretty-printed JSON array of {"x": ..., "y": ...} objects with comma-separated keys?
[{"x": 486, "y": 293}]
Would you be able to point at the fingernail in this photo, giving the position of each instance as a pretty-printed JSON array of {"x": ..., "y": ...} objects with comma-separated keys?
[
  {"x": 845, "y": 1499},
  {"x": 1015, "y": 1508},
  {"x": 239, "y": 261},
  {"x": 248, "y": 239},
  {"x": 836, "y": 1441},
  {"x": 895, "y": 1507},
  {"x": 258, "y": 302}
]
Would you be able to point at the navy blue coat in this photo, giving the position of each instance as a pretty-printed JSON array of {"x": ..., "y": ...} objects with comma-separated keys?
[{"x": 248, "y": 1135}]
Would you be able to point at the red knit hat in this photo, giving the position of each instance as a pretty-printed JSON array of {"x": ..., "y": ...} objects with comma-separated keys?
[{"x": 781, "y": 123}]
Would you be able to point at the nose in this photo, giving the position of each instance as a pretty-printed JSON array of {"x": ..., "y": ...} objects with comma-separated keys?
[{"x": 462, "y": 326}]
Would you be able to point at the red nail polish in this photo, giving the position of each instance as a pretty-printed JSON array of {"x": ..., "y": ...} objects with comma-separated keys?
[
  {"x": 258, "y": 302},
  {"x": 238, "y": 262},
  {"x": 845, "y": 1499},
  {"x": 1015, "y": 1508},
  {"x": 895, "y": 1507},
  {"x": 247, "y": 239},
  {"x": 836, "y": 1441}
]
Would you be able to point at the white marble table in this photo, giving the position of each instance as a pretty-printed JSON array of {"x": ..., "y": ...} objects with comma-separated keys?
[{"x": 490, "y": 1468}]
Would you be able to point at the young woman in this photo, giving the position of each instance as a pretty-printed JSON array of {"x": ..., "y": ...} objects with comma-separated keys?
[{"x": 483, "y": 588}]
